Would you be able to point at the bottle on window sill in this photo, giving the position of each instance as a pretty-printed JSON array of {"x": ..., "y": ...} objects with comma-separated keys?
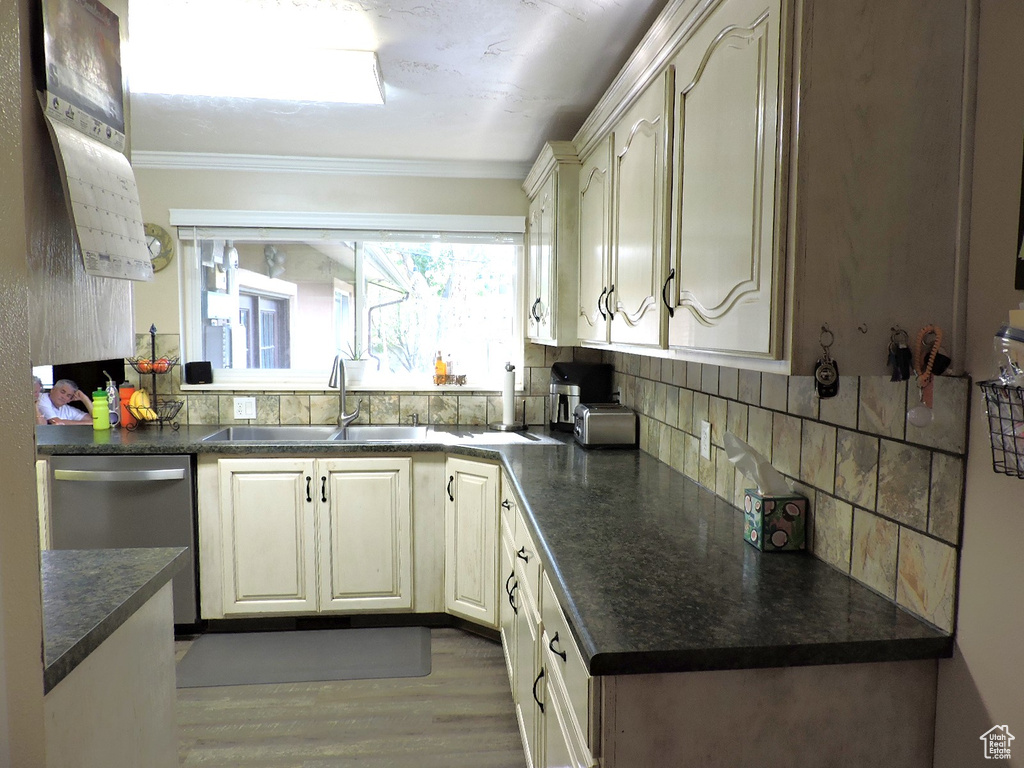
[{"x": 440, "y": 369}]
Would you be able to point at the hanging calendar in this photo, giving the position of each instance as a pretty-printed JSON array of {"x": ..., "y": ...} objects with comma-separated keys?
[{"x": 83, "y": 105}]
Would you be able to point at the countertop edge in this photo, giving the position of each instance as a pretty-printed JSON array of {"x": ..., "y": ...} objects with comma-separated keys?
[{"x": 63, "y": 665}]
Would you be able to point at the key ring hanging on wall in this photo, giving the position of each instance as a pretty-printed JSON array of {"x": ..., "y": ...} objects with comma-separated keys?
[{"x": 826, "y": 370}]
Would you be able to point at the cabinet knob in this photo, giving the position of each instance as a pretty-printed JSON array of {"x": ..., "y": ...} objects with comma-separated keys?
[
  {"x": 506, "y": 504},
  {"x": 551, "y": 647},
  {"x": 323, "y": 488},
  {"x": 451, "y": 479},
  {"x": 309, "y": 482},
  {"x": 533, "y": 310},
  {"x": 664, "y": 290},
  {"x": 600, "y": 307},
  {"x": 521, "y": 554},
  {"x": 535, "y": 682}
]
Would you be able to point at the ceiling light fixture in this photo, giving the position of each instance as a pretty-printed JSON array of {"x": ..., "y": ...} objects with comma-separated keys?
[{"x": 280, "y": 73}]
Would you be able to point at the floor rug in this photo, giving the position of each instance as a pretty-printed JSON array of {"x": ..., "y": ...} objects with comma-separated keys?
[{"x": 250, "y": 658}]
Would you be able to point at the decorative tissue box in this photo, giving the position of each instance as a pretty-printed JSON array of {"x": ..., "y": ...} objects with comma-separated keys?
[{"x": 774, "y": 523}]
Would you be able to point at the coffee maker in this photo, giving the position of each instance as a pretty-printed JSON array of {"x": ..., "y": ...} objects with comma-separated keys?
[{"x": 575, "y": 383}]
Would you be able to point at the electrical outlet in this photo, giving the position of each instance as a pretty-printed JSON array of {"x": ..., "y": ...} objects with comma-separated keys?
[
  {"x": 705, "y": 440},
  {"x": 245, "y": 407}
]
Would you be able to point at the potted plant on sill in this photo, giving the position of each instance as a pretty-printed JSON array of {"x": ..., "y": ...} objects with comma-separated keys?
[{"x": 355, "y": 363}]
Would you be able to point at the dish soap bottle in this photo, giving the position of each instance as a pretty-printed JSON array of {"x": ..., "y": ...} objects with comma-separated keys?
[
  {"x": 100, "y": 411},
  {"x": 440, "y": 369}
]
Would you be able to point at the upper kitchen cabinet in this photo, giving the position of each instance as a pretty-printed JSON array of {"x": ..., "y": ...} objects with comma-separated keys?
[
  {"x": 595, "y": 267},
  {"x": 724, "y": 282},
  {"x": 552, "y": 231},
  {"x": 778, "y": 166},
  {"x": 640, "y": 197}
]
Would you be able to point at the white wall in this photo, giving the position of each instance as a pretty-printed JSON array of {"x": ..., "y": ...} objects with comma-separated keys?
[
  {"x": 983, "y": 684},
  {"x": 162, "y": 190}
]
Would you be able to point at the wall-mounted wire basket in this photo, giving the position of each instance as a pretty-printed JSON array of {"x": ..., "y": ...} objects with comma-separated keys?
[{"x": 1005, "y": 407}]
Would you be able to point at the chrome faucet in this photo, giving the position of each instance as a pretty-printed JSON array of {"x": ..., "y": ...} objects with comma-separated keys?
[{"x": 338, "y": 380}]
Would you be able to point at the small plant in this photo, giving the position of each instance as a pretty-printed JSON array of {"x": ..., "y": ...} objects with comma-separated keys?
[{"x": 354, "y": 352}]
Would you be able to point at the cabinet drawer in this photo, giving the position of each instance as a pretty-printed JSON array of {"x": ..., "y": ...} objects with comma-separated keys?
[
  {"x": 568, "y": 673},
  {"x": 527, "y": 558}
]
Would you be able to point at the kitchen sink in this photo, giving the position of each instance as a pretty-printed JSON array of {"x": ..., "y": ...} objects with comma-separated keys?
[
  {"x": 359, "y": 433},
  {"x": 379, "y": 433},
  {"x": 273, "y": 434}
]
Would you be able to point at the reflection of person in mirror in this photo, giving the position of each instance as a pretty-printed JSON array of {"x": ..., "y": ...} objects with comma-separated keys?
[{"x": 55, "y": 408}]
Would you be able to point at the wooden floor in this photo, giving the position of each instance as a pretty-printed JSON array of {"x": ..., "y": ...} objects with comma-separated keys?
[{"x": 459, "y": 716}]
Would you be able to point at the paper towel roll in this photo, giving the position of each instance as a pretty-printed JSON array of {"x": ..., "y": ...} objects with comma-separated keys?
[{"x": 508, "y": 406}]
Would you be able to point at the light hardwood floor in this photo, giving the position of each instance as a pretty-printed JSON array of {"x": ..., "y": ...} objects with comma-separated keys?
[{"x": 459, "y": 716}]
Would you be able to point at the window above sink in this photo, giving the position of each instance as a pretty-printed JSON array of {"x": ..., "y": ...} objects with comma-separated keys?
[{"x": 269, "y": 299}]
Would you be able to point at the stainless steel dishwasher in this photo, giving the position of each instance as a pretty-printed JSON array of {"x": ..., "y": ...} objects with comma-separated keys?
[{"x": 110, "y": 502}]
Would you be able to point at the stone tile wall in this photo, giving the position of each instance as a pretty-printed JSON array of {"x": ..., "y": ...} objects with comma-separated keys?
[
  {"x": 452, "y": 406},
  {"x": 885, "y": 497}
]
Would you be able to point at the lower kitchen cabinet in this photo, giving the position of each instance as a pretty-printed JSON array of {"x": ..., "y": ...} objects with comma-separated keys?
[
  {"x": 302, "y": 536},
  {"x": 267, "y": 552},
  {"x": 551, "y": 688},
  {"x": 471, "y": 540}
]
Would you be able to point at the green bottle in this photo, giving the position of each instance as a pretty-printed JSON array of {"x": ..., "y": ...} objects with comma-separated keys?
[{"x": 100, "y": 410}]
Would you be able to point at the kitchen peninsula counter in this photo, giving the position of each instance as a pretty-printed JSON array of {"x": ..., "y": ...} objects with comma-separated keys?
[
  {"x": 89, "y": 594},
  {"x": 651, "y": 570}
]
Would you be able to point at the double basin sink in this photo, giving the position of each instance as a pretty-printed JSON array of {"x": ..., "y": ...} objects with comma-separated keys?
[{"x": 359, "y": 433}]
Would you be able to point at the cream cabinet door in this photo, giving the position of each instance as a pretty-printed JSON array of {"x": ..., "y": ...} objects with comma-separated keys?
[
  {"x": 471, "y": 541},
  {"x": 530, "y": 684},
  {"x": 640, "y": 215},
  {"x": 595, "y": 243},
  {"x": 726, "y": 265},
  {"x": 507, "y": 608},
  {"x": 364, "y": 524},
  {"x": 540, "y": 283},
  {"x": 268, "y": 548}
]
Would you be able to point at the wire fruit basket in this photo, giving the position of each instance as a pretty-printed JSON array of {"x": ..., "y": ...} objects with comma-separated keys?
[
  {"x": 154, "y": 410},
  {"x": 1005, "y": 407}
]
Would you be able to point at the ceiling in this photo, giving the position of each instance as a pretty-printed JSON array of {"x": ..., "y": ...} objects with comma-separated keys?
[{"x": 480, "y": 81}]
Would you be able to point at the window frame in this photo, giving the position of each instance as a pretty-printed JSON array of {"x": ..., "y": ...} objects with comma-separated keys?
[{"x": 190, "y": 224}]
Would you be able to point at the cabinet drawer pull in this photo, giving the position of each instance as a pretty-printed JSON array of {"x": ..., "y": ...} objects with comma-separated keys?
[
  {"x": 664, "y": 289},
  {"x": 323, "y": 488},
  {"x": 608, "y": 303},
  {"x": 521, "y": 554},
  {"x": 309, "y": 481},
  {"x": 506, "y": 504},
  {"x": 551, "y": 647},
  {"x": 451, "y": 479},
  {"x": 599, "y": 300},
  {"x": 533, "y": 310},
  {"x": 539, "y": 702}
]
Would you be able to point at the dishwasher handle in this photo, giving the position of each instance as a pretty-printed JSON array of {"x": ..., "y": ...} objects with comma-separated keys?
[{"x": 118, "y": 475}]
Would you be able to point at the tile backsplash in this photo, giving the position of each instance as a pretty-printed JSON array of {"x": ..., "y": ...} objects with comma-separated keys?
[
  {"x": 462, "y": 406},
  {"x": 885, "y": 497}
]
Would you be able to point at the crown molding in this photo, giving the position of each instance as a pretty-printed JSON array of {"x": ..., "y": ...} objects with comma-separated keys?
[
  {"x": 213, "y": 161},
  {"x": 674, "y": 25}
]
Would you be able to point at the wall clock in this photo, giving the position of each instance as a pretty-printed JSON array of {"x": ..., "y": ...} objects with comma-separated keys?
[{"x": 160, "y": 246}]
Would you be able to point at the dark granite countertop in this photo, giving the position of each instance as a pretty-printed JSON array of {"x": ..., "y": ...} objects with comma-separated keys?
[
  {"x": 651, "y": 569},
  {"x": 87, "y": 594}
]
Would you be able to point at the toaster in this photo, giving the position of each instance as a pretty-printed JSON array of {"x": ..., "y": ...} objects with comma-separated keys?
[{"x": 597, "y": 424}]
